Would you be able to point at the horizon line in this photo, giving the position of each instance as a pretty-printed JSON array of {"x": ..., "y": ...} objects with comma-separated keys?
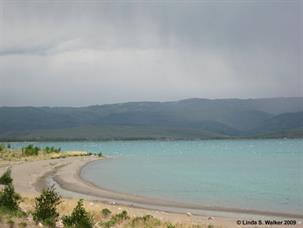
[{"x": 145, "y": 101}]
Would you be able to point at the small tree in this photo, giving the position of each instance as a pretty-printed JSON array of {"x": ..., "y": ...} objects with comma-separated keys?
[
  {"x": 6, "y": 177},
  {"x": 9, "y": 199},
  {"x": 30, "y": 150},
  {"x": 79, "y": 218},
  {"x": 46, "y": 207},
  {"x": 105, "y": 212}
]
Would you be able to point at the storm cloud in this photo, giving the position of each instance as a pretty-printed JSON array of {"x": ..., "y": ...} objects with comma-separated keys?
[{"x": 93, "y": 52}]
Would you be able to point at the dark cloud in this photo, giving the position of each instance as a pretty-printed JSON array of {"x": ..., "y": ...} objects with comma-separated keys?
[{"x": 88, "y": 52}]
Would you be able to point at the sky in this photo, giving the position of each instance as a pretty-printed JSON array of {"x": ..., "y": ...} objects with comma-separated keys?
[{"x": 78, "y": 53}]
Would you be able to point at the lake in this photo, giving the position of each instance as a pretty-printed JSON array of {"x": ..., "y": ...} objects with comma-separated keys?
[{"x": 246, "y": 174}]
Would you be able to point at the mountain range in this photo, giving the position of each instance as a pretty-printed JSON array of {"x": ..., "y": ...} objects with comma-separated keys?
[{"x": 185, "y": 119}]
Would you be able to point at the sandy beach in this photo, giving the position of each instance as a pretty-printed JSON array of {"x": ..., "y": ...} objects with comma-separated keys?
[{"x": 32, "y": 176}]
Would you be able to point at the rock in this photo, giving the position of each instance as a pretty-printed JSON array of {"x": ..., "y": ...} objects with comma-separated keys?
[
  {"x": 188, "y": 214},
  {"x": 40, "y": 224},
  {"x": 211, "y": 218},
  {"x": 59, "y": 224},
  {"x": 97, "y": 225},
  {"x": 30, "y": 218}
]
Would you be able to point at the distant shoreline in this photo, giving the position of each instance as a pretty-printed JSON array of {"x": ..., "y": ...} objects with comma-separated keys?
[{"x": 145, "y": 139}]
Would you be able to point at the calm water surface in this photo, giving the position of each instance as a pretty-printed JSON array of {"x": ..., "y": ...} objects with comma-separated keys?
[{"x": 252, "y": 174}]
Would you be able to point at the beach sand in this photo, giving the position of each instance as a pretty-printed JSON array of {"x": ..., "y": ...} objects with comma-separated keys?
[{"x": 32, "y": 176}]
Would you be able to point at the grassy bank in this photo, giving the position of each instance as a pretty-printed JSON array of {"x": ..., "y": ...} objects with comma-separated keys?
[{"x": 31, "y": 153}]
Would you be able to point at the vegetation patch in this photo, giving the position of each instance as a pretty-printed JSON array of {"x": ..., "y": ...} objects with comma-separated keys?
[
  {"x": 9, "y": 199},
  {"x": 79, "y": 218},
  {"x": 6, "y": 178},
  {"x": 147, "y": 221},
  {"x": 46, "y": 207},
  {"x": 52, "y": 149},
  {"x": 30, "y": 150},
  {"x": 105, "y": 212}
]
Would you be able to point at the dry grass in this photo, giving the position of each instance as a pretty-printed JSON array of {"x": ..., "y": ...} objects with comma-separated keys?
[
  {"x": 134, "y": 218},
  {"x": 14, "y": 155}
]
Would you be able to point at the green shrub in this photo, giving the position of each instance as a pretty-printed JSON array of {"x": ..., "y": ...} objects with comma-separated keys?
[
  {"x": 2, "y": 147},
  {"x": 15, "y": 213},
  {"x": 100, "y": 154},
  {"x": 30, "y": 150},
  {"x": 170, "y": 226},
  {"x": 46, "y": 207},
  {"x": 6, "y": 177},
  {"x": 118, "y": 218},
  {"x": 52, "y": 149},
  {"x": 105, "y": 212},
  {"x": 79, "y": 218},
  {"x": 9, "y": 199}
]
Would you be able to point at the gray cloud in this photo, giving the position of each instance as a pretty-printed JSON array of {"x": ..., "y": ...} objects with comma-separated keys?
[{"x": 93, "y": 52}]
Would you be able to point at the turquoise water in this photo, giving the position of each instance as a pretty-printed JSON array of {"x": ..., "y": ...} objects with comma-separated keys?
[{"x": 248, "y": 174}]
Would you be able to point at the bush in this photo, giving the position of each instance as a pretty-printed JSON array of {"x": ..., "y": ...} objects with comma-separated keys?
[
  {"x": 6, "y": 177},
  {"x": 2, "y": 147},
  {"x": 52, "y": 149},
  {"x": 105, "y": 212},
  {"x": 100, "y": 154},
  {"x": 118, "y": 218},
  {"x": 46, "y": 207},
  {"x": 79, "y": 218},
  {"x": 170, "y": 226},
  {"x": 9, "y": 199},
  {"x": 30, "y": 150}
]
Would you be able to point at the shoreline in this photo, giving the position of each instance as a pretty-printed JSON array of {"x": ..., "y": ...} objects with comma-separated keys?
[
  {"x": 147, "y": 201},
  {"x": 29, "y": 180},
  {"x": 126, "y": 199}
]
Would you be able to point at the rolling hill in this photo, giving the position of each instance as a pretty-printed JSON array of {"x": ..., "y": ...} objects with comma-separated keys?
[{"x": 185, "y": 119}]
